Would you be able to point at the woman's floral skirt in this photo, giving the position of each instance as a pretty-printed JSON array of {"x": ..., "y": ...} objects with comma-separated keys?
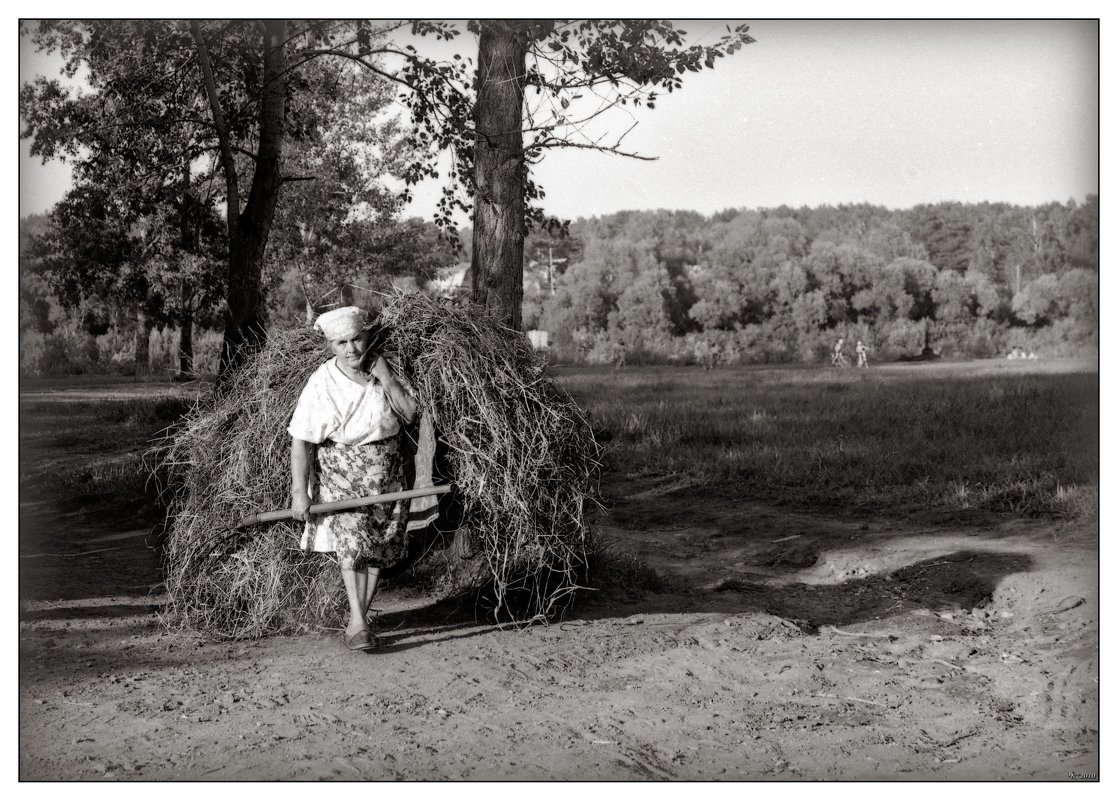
[{"x": 373, "y": 536}]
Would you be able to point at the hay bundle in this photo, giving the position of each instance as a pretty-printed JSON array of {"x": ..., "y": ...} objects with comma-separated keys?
[{"x": 521, "y": 454}]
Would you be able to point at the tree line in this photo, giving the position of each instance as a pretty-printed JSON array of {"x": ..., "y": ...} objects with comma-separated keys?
[
  {"x": 782, "y": 284},
  {"x": 739, "y": 286}
]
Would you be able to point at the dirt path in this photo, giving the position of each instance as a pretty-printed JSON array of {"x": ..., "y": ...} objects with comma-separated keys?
[{"x": 791, "y": 646}]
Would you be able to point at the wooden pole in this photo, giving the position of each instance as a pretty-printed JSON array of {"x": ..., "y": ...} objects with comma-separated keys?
[{"x": 351, "y": 503}]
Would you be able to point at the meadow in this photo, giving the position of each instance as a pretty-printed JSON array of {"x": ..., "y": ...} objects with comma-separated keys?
[
  {"x": 947, "y": 439},
  {"x": 921, "y": 439},
  {"x": 82, "y": 445}
]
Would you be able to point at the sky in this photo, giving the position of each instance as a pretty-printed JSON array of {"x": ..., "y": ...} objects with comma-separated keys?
[
  {"x": 815, "y": 112},
  {"x": 891, "y": 113}
]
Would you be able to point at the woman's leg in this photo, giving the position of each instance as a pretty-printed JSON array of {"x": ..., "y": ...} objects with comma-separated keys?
[
  {"x": 372, "y": 578},
  {"x": 356, "y": 586}
]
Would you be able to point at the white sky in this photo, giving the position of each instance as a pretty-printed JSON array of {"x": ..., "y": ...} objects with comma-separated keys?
[
  {"x": 895, "y": 113},
  {"x": 889, "y": 112}
]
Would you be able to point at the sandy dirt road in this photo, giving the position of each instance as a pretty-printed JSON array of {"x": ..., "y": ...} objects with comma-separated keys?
[{"x": 786, "y": 645}]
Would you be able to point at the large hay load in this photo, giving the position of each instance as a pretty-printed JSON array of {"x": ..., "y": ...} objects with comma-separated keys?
[{"x": 521, "y": 455}]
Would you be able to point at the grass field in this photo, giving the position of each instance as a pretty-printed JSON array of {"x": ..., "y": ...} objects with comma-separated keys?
[
  {"x": 84, "y": 449},
  {"x": 940, "y": 439}
]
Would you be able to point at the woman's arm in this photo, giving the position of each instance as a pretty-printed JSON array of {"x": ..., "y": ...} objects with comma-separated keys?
[
  {"x": 398, "y": 398},
  {"x": 302, "y": 457}
]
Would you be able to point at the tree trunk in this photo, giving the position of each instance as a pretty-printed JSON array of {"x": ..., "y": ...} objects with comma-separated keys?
[
  {"x": 186, "y": 331},
  {"x": 245, "y": 315},
  {"x": 499, "y": 172},
  {"x": 141, "y": 357},
  {"x": 245, "y": 319},
  {"x": 188, "y": 242}
]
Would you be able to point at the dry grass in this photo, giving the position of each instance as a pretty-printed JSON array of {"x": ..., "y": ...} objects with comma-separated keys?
[{"x": 521, "y": 454}]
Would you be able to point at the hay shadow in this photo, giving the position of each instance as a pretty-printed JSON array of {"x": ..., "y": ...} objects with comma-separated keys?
[{"x": 960, "y": 580}]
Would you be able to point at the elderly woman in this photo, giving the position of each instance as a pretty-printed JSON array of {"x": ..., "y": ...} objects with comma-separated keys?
[{"x": 345, "y": 444}]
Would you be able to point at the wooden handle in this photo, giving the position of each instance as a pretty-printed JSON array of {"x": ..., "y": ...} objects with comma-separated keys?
[{"x": 351, "y": 503}]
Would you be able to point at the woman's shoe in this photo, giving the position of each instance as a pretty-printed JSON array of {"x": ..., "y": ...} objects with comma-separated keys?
[{"x": 361, "y": 641}]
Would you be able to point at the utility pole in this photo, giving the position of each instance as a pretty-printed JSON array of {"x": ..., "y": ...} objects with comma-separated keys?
[{"x": 550, "y": 272}]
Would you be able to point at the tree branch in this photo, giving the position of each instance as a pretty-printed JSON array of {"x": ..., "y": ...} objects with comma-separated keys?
[
  {"x": 307, "y": 55},
  {"x": 556, "y": 142},
  {"x": 228, "y": 163}
]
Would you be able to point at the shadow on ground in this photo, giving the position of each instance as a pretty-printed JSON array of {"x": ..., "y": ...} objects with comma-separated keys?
[
  {"x": 960, "y": 580},
  {"x": 709, "y": 552}
]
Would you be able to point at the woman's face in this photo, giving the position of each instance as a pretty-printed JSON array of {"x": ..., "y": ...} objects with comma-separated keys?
[{"x": 351, "y": 350}]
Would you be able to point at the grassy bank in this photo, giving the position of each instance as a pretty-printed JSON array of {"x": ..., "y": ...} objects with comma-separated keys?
[{"x": 940, "y": 438}]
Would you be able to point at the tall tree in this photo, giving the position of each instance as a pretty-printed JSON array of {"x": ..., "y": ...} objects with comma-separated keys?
[
  {"x": 944, "y": 229},
  {"x": 338, "y": 213},
  {"x": 215, "y": 95},
  {"x": 94, "y": 255},
  {"x": 485, "y": 125},
  {"x": 1081, "y": 233},
  {"x": 245, "y": 69},
  {"x": 500, "y": 170},
  {"x": 250, "y": 226}
]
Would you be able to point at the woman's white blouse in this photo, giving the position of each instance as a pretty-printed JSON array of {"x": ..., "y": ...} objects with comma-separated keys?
[{"x": 335, "y": 407}]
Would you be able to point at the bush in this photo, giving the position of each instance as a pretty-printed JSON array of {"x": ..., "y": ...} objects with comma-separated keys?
[
  {"x": 752, "y": 344},
  {"x": 983, "y": 339},
  {"x": 1063, "y": 338},
  {"x": 709, "y": 349},
  {"x": 70, "y": 350},
  {"x": 816, "y": 347},
  {"x": 118, "y": 351},
  {"x": 207, "y": 352},
  {"x": 979, "y": 339},
  {"x": 163, "y": 351},
  {"x": 902, "y": 338},
  {"x": 67, "y": 351},
  {"x": 768, "y": 343}
]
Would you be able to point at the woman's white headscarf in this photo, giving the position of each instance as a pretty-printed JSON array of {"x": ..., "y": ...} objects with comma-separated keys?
[{"x": 343, "y": 323}]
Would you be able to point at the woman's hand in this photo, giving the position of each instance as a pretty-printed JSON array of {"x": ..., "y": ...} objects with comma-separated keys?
[
  {"x": 381, "y": 371},
  {"x": 398, "y": 399},
  {"x": 302, "y": 457},
  {"x": 301, "y": 505}
]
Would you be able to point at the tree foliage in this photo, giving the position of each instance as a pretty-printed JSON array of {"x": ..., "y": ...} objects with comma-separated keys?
[
  {"x": 240, "y": 93},
  {"x": 539, "y": 85},
  {"x": 226, "y": 100},
  {"x": 777, "y": 284}
]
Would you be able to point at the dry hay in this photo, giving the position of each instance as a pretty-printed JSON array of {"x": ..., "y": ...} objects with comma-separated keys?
[{"x": 522, "y": 456}]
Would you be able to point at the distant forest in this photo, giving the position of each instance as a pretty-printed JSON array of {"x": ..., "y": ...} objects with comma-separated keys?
[
  {"x": 737, "y": 287},
  {"x": 781, "y": 285}
]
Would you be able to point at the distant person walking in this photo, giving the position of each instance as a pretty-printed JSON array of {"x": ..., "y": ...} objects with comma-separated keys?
[
  {"x": 863, "y": 354},
  {"x": 838, "y": 359}
]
